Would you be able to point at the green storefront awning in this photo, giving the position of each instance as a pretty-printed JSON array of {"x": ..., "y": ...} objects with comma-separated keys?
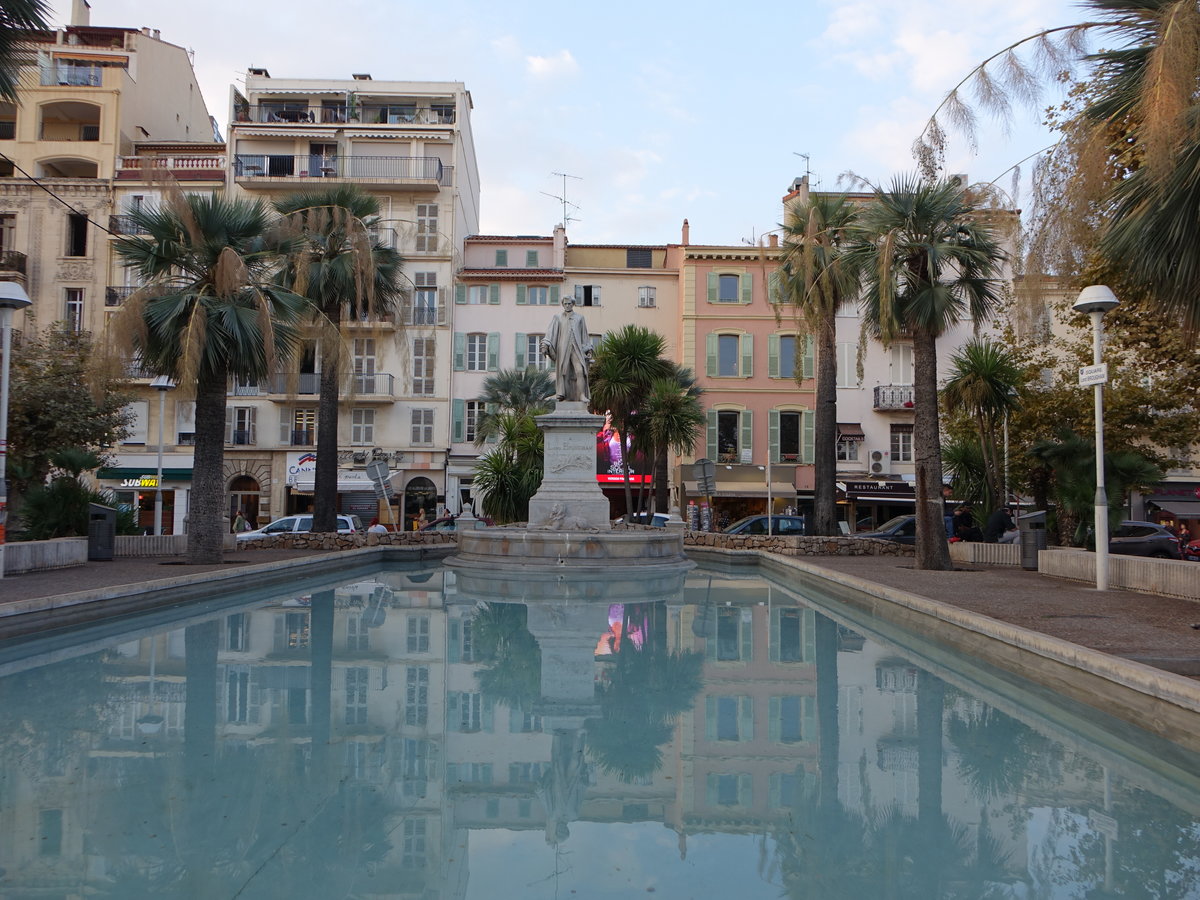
[{"x": 123, "y": 472}]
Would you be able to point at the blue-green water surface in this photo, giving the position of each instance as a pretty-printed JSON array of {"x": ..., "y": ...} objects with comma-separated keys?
[{"x": 393, "y": 738}]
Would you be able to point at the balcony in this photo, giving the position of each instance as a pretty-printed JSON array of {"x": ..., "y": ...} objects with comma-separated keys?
[
  {"x": 359, "y": 388},
  {"x": 12, "y": 262},
  {"x": 301, "y": 437},
  {"x": 125, "y": 225},
  {"x": 115, "y": 295},
  {"x": 182, "y": 167},
  {"x": 399, "y": 172},
  {"x": 72, "y": 74},
  {"x": 241, "y": 437},
  {"x": 301, "y": 112},
  {"x": 893, "y": 398}
]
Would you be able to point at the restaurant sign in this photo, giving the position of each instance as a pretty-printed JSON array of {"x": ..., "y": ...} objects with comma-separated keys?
[{"x": 142, "y": 481}]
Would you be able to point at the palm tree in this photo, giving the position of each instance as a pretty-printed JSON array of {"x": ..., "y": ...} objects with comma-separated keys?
[
  {"x": 627, "y": 363},
  {"x": 670, "y": 420},
  {"x": 928, "y": 260},
  {"x": 818, "y": 280},
  {"x": 525, "y": 392},
  {"x": 210, "y": 311},
  {"x": 983, "y": 381},
  {"x": 17, "y": 16},
  {"x": 347, "y": 273},
  {"x": 509, "y": 474}
]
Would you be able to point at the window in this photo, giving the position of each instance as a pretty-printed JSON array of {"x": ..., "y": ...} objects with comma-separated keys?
[
  {"x": 902, "y": 364},
  {"x": 529, "y": 352},
  {"x": 414, "y": 768},
  {"x": 77, "y": 234},
  {"x": 356, "y": 695},
  {"x": 638, "y": 258},
  {"x": 73, "y": 309},
  {"x": 787, "y": 356},
  {"x": 468, "y": 712},
  {"x": 417, "y": 640},
  {"x": 729, "y": 435},
  {"x": 424, "y": 308},
  {"x": 444, "y": 112},
  {"x": 422, "y": 426},
  {"x": 788, "y": 717},
  {"x": 538, "y": 295},
  {"x": 477, "y": 347},
  {"x": 847, "y": 449},
  {"x": 416, "y": 695},
  {"x": 729, "y": 789},
  {"x": 8, "y": 232},
  {"x": 477, "y": 294},
  {"x": 422, "y": 360},
  {"x": 732, "y": 642},
  {"x": 531, "y": 259},
  {"x": 501, "y": 259},
  {"x": 728, "y": 355},
  {"x": 427, "y": 226},
  {"x": 645, "y": 297},
  {"x": 236, "y": 632},
  {"x": 729, "y": 718},
  {"x": 240, "y": 425},
  {"x": 727, "y": 288},
  {"x": 587, "y": 295},
  {"x": 474, "y": 409},
  {"x": 358, "y": 635},
  {"x": 50, "y": 832},
  {"x": 298, "y": 427},
  {"x": 238, "y": 693},
  {"x": 414, "y": 859},
  {"x": 847, "y": 365},
  {"x": 364, "y": 364},
  {"x": 789, "y": 437},
  {"x": 362, "y": 426},
  {"x": 792, "y": 637},
  {"x": 902, "y": 448}
]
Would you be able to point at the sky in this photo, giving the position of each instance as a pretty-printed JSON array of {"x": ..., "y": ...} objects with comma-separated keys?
[{"x": 656, "y": 112}]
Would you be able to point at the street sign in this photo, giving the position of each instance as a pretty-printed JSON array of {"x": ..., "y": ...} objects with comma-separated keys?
[
  {"x": 1093, "y": 374},
  {"x": 377, "y": 471},
  {"x": 1103, "y": 823},
  {"x": 705, "y": 473}
]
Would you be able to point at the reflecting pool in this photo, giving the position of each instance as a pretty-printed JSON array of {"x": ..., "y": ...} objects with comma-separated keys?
[{"x": 395, "y": 737}]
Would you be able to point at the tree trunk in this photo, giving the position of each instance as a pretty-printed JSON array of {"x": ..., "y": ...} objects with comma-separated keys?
[
  {"x": 825, "y": 432},
  {"x": 662, "y": 484},
  {"x": 326, "y": 474},
  {"x": 932, "y": 551},
  {"x": 625, "y": 471},
  {"x": 207, "y": 521},
  {"x": 827, "y": 709}
]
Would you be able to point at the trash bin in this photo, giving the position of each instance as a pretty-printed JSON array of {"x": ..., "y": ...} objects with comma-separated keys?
[
  {"x": 102, "y": 531},
  {"x": 1032, "y": 527}
]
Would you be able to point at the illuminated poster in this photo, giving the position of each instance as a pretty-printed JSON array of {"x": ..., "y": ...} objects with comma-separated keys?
[
  {"x": 610, "y": 641},
  {"x": 608, "y": 458}
]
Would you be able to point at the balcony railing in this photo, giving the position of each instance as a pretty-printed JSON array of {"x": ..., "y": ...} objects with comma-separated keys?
[
  {"x": 893, "y": 397},
  {"x": 356, "y": 386},
  {"x": 73, "y": 75},
  {"x": 304, "y": 437},
  {"x": 115, "y": 295},
  {"x": 409, "y": 169},
  {"x": 242, "y": 436},
  {"x": 291, "y": 113},
  {"x": 12, "y": 261},
  {"x": 193, "y": 167},
  {"x": 125, "y": 225}
]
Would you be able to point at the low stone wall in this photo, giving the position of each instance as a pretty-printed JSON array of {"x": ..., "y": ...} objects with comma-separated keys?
[
  {"x": 1169, "y": 577},
  {"x": 32, "y": 556},
  {"x": 795, "y": 545},
  {"x": 986, "y": 554},
  {"x": 311, "y": 541}
]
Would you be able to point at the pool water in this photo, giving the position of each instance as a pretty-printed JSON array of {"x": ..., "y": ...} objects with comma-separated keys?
[{"x": 391, "y": 737}]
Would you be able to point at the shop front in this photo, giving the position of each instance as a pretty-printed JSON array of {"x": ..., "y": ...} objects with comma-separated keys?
[
  {"x": 135, "y": 488},
  {"x": 865, "y": 505},
  {"x": 1175, "y": 504},
  {"x": 743, "y": 490},
  {"x": 355, "y": 491}
]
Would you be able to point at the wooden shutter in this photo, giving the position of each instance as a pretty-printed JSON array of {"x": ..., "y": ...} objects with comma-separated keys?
[
  {"x": 772, "y": 356},
  {"x": 494, "y": 294},
  {"x": 747, "y": 342},
  {"x": 522, "y": 343},
  {"x": 712, "y": 434},
  {"x": 774, "y": 294},
  {"x": 555, "y": 294},
  {"x": 493, "y": 351},
  {"x": 747, "y": 442},
  {"x": 713, "y": 286},
  {"x": 229, "y": 424},
  {"x": 774, "y": 711},
  {"x": 711, "y": 349},
  {"x": 459, "y": 413},
  {"x": 745, "y": 718},
  {"x": 595, "y": 295},
  {"x": 807, "y": 436},
  {"x": 746, "y": 629},
  {"x": 808, "y": 621},
  {"x": 808, "y": 367},
  {"x": 747, "y": 281},
  {"x": 460, "y": 294},
  {"x": 522, "y": 295},
  {"x": 460, "y": 352},
  {"x": 773, "y": 435},
  {"x": 710, "y": 713}
]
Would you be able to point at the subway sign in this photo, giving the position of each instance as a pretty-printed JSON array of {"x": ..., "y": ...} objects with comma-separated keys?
[{"x": 144, "y": 481}]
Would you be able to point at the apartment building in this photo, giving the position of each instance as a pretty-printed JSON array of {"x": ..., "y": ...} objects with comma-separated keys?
[{"x": 409, "y": 145}]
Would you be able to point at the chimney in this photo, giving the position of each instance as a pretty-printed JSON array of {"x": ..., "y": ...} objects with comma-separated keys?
[
  {"x": 157, "y": 34},
  {"x": 687, "y": 233},
  {"x": 772, "y": 240},
  {"x": 81, "y": 13},
  {"x": 559, "y": 260}
]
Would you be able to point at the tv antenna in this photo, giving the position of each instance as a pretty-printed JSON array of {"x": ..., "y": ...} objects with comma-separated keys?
[{"x": 567, "y": 218}]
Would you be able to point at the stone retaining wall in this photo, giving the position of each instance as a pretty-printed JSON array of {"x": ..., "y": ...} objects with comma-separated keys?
[
  {"x": 33, "y": 556},
  {"x": 795, "y": 545},
  {"x": 311, "y": 541}
]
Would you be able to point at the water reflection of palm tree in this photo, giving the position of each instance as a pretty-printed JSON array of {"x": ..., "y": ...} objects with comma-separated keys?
[{"x": 501, "y": 635}]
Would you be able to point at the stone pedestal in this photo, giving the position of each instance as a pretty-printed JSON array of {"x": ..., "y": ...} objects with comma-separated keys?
[{"x": 569, "y": 499}]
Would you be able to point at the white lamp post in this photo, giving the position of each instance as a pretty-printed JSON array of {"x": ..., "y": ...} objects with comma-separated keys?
[
  {"x": 162, "y": 384},
  {"x": 12, "y": 297},
  {"x": 1096, "y": 300}
]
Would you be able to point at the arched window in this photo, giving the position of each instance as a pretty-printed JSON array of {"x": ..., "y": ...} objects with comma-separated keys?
[{"x": 69, "y": 120}]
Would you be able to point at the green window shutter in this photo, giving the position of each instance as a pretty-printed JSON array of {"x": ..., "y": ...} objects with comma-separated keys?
[
  {"x": 773, "y": 436},
  {"x": 774, "y": 295},
  {"x": 494, "y": 294},
  {"x": 459, "y": 415},
  {"x": 531, "y": 259},
  {"x": 493, "y": 351},
  {"x": 501, "y": 258},
  {"x": 455, "y": 644},
  {"x": 228, "y": 425},
  {"x": 713, "y": 281},
  {"x": 489, "y": 720},
  {"x": 747, "y": 635},
  {"x": 555, "y": 294},
  {"x": 522, "y": 343},
  {"x": 595, "y": 295},
  {"x": 808, "y": 727},
  {"x": 774, "y": 637},
  {"x": 710, "y": 790},
  {"x": 774, "y": 714},
  {"x": 711, "y": 342},
  {"x": 808, "y": 367},
  {"x": 747, "y": 342},
  {"x": 745, "y": 718},
  {"x": 745, "y": 790},
  {"x": 492, "y": 410},
  {"x": 522, "y": 295},
  {"x": 772, "y": 356},
  {"x": 712, "y": 434},
  {"x": 747, "y": 442},
  {"x": 460, "y": 352},
  {"x": 807, "y": 453},
  {"x": 710, "y": 718},
  {"x": 460, "y": 294},
  {"x": 775, "y": 790},
  {"x": 808, "y": 621},
  {"x": 747, "y": 287}
]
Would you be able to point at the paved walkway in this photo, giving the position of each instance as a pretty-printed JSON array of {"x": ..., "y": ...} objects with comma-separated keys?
[{"x": 1160, "y": 631}]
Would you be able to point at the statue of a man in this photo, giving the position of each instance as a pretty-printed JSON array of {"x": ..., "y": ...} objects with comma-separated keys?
[{"x": 569, "y": 346}]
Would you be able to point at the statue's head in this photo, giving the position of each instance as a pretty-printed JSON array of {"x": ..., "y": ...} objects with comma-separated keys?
[{"x": 568, "y": 302}]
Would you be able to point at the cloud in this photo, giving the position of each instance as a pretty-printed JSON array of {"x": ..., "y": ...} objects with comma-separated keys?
[
  {"x": 562, "y": 63},
  {"x": 851, "y": 23}
]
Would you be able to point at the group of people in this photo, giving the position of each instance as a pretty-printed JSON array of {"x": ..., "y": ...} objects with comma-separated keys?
[{"x": 998, "y": 529}]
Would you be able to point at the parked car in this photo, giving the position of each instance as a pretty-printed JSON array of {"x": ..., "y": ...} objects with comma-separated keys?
[
  {"x": 446, "y": 523},
  {"x": 1144, "y": 539},
  {"x": 298, "y": 524},
  {"x": 758, "y": 525},
  {"x": 656, "y": 520},
  {"x": 900, "y": 530},
  {"x": 1191, "y": 551}
]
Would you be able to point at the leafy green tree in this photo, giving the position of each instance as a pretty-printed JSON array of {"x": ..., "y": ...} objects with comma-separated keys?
[
  {"x": 670, "y": 420},
  {"x": 60, "y": 507},
  {"x": 17, "y": 16},
  {"x": 210, "y": 310},
  {"x": 349, "y": 275},
  {"x": 818, "y": 280},
  {"x": 525, "y": 392},
  {"x": 61, "y": 397},
  {"x": 983, "y": 382},
  {"x": 929, "y": 259},
  {"x": 510, "y": 473}
]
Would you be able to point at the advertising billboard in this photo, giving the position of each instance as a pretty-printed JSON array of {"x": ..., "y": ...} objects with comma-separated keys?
[{"x": 609, "y": 452}]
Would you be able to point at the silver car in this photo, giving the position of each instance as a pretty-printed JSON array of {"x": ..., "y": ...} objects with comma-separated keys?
[{"x": 298, "y": 524}]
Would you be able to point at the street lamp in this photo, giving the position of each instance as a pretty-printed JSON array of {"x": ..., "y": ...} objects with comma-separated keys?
[
  {"x": 162, "y": 384},
  {"x": 1096, "y": 300},
  {"x": 12, "y": 297}
]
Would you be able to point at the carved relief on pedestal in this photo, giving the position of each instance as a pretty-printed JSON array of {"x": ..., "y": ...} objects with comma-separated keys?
[{"x": 80, "y": 270}]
